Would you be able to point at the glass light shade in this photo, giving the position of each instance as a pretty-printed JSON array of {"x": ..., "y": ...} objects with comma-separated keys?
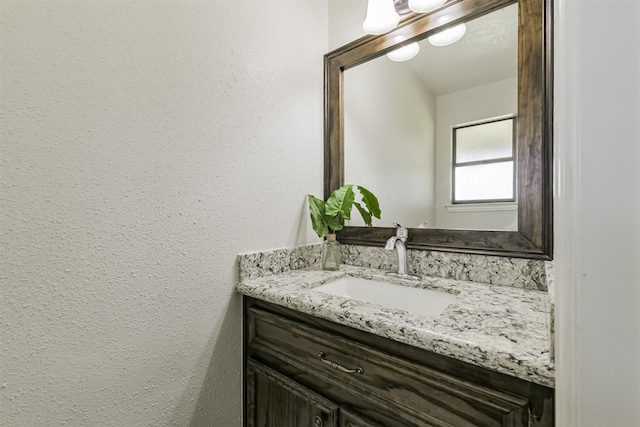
[
  {"x": 422, "y": 6},
  {"x": 448, "y": 36},
  {"x": 381, "y": 17},
  {"x": 404, "y": 53}
]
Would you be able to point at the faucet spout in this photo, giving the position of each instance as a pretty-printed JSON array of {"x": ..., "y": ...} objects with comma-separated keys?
[{"x": 401, "y": 251}]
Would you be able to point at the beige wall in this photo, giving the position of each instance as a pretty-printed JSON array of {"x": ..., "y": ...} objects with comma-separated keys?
[
  {"x": 345, "y": 21},
  {"x": 389, "y": 140},
  {"x": 144, "y": 145}
]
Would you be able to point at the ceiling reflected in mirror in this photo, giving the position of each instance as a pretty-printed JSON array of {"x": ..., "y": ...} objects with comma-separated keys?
[{"x": 487, "y": 52}]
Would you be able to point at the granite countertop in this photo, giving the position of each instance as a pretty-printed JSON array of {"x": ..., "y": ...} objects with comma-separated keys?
[{"x": 497, "y": 327}]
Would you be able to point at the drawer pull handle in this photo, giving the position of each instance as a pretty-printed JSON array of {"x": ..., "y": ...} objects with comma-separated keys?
[{"x": 340, "y": 368}]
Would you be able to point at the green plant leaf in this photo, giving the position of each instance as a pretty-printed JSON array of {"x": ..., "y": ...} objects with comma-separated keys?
[
  {"x": 334, "y": 223},
  {"x": 340, "y": 202},
  {"x": 326, "y": 217},
  {"x": 317, "y": 213},
  {"x": 365, "y": 215},
  {"x": 371, "y": 202}
]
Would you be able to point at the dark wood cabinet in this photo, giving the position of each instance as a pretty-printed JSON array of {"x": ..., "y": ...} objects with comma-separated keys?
[
  {"x": 275, "y": 400},
  {"x": 306, "y": 371},
  {"x": 349, "y": 419}
]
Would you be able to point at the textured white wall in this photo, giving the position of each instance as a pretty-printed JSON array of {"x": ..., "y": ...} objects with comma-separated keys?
[
  {"x": 478, "y": 103},
  {"x": 345, "y": 21},
  {"x": 597, "y": 212},
  {"x": 145, "y": 144}
]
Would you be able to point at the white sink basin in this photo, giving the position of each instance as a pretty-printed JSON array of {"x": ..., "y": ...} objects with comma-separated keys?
[{"x": 413, "y": 300}]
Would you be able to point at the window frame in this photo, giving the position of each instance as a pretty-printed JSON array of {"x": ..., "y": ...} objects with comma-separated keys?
[{"x": 454, "y": 164}]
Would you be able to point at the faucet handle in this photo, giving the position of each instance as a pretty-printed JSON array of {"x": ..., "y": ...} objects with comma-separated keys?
[
  {"x": 391, "y": 243},
  {"x": 401, "y": 232}
]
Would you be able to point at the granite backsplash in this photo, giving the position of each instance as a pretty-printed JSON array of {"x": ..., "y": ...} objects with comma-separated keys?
[{"x": 494, "y": 270}]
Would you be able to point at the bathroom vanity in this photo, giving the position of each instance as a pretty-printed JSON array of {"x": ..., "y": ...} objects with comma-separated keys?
[{"x": 316, "y": 359}]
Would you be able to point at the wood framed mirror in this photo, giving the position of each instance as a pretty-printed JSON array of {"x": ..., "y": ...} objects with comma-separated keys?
[{"x": 534, "y": 154}]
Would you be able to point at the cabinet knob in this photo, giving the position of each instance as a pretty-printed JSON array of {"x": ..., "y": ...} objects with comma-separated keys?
[{"x": 317, "y": 422}]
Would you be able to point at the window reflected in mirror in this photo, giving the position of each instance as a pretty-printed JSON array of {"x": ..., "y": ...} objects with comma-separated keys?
[{"x": 483, "y": 162}]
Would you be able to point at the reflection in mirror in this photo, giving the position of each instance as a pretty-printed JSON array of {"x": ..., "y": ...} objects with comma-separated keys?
[
  {"x": 399, "y": 121},
  {"x": 483, "y": 162}
]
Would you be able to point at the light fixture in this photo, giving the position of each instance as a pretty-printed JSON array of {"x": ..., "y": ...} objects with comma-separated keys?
[
  {"x": 448, "y": 36},
  {"x": 404, "y": 53},
  {"x": 422, "y": 6},
  {"x": 381, "y": 17}
]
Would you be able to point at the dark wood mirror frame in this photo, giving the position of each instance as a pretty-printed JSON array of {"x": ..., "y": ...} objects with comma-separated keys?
[{"x": 534, "y": 238}]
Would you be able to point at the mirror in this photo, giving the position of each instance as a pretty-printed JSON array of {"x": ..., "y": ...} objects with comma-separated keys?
[
  {"x": 529, "y": 234},
  {"x": 400, "y": 119}
]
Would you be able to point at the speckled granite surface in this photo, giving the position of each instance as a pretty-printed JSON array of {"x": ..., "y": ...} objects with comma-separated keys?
[
  {"x": 260, "y": 264},
  {"x": 502, "y": 328},
  {"x": 548, "y": 266},
  {"x": 513, "y": 272}
]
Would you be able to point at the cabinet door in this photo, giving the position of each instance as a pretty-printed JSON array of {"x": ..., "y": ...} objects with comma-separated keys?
[
  {"x": 350, "y": 419},
  {"x": 274, "y": 400}
]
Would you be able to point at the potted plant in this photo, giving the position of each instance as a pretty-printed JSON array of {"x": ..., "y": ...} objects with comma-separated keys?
[{"x": 328, "y": 217}]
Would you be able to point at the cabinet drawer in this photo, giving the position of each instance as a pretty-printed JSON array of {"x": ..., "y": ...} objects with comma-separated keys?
[{"x": 405, "y": 387}]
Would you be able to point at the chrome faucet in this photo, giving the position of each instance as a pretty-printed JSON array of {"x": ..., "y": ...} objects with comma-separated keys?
[{"x": 397, "y": 242}]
